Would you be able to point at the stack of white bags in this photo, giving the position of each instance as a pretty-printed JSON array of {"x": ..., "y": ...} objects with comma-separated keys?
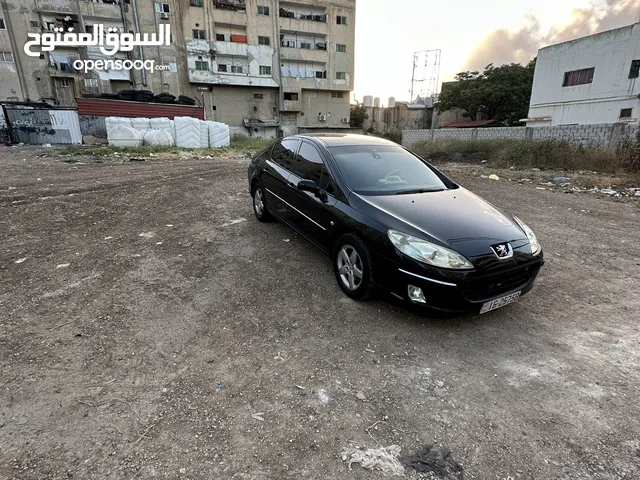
[{"x": 185, "y": 132}]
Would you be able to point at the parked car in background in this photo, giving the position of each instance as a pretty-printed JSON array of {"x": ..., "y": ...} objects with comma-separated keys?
[{"x": 388, "y": 218}]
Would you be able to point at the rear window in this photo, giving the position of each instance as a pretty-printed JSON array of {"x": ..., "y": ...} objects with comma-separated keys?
[{"x": 384, "y": 170}]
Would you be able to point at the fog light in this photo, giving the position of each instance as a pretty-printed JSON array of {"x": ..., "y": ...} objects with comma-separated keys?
[{"x": 416, "y": 295}]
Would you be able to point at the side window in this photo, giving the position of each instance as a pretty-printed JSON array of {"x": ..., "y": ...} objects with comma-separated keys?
[
  {"x": 284, "y": 153},
  {"x": 310, "y": 166}
]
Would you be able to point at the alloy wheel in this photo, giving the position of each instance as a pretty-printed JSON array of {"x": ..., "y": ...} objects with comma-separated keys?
[
  {"x": 258, "y": 202},
  {"x": 350, "y": 267}
]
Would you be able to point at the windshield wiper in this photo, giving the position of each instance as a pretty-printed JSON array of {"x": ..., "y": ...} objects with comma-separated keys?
[{"x": 419, "y": 190}]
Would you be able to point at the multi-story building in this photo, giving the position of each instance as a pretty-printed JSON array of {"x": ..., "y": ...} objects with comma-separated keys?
[
  {"x": 593, "y": 79},
  {"x": 257, "y": 65}
]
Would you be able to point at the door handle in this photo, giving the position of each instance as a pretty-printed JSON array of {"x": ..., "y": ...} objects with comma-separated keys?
[{"x": 291, "y": 184}]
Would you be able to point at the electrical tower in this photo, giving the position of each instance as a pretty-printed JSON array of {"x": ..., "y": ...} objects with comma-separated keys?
[{"x": 425, "y": 80}]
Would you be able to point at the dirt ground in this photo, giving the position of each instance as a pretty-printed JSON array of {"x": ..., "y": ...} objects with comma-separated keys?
[{"x": 151, "y": 327}]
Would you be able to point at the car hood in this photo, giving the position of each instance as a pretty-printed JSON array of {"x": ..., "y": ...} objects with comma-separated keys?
[{"x": 456, "y": 218}]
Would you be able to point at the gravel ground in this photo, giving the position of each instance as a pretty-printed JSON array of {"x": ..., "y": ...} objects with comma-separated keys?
[{"x": 151, "y": 327}]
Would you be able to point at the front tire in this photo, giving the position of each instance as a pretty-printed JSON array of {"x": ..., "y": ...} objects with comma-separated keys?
[
  {"x": 353, "y": 267},
  {"x": 260, "y": 204}
]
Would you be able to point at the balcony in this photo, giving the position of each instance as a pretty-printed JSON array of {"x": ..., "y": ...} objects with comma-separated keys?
[
  {"x": 292, "y": 12},
  {"x": 303, "y": 55},
  {"x": 291, "y": 106},
  {"x": 104, "y": 9}
]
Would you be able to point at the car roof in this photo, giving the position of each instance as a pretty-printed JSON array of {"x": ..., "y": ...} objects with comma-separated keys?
[{"x": 344, "y": 139}]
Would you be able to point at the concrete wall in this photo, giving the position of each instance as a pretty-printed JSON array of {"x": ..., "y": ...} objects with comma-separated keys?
[
  {"x": 599, "y": 135},
  {"x": 611, "y": 54}
]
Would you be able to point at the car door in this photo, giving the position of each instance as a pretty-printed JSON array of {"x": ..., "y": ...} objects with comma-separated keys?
[
  {"x": 312, "y": 214},
  {"x": 276, "y": 174}
]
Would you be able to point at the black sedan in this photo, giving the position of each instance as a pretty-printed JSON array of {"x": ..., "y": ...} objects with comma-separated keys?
[{"x": 388, "y": 218}]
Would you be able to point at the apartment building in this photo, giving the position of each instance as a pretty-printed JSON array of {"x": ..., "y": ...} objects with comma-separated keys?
[{"x": 262, "y": 66}]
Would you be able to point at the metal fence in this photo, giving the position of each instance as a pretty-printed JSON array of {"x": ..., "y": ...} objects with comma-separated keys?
[{"x": 37, "y": 126}]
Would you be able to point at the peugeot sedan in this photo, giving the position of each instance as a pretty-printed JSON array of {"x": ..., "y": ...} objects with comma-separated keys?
[{"x": 389, "y": 219}]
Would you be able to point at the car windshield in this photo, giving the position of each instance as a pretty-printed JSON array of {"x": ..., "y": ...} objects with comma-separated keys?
[{"x": 384, "y": 170}]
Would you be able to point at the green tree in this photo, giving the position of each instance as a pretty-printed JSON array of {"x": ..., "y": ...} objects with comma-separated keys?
[
  {"x": 358, "y": 116},
  {"x": 498, "y": 93}
]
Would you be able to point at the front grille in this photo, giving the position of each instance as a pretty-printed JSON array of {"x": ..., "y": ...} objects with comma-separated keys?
[{"x": 493, "y": 285}]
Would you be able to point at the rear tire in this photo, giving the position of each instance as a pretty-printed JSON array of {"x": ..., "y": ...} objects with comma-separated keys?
[
  {"x": 260, "y": 204},
  {"x": 353, "y": 267}
]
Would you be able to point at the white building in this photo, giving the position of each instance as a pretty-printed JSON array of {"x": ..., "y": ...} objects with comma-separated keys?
[{"x": 589, "y": 80}]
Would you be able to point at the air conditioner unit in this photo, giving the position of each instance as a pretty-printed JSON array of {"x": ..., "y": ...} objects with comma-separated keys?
[
  {"x": 164, "y": 15},
  {"x": 345, "y": 119},
  {"x": 322, "y": 118}
]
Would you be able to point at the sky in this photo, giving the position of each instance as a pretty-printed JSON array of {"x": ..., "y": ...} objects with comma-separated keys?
[{"x": 469, "y": 33}]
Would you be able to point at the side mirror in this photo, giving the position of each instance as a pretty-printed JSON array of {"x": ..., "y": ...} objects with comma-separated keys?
[{"x": 308, "y": 186}]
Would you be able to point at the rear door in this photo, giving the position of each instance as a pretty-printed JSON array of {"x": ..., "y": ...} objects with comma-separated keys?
[
  {"x": 313, "y": 216},
  {"x": 276, "y": 174}
]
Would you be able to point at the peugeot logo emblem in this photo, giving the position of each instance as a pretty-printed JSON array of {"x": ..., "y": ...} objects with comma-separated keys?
[{"x": 503, "y": 250}]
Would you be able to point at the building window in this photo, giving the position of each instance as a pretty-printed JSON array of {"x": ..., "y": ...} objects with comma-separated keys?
[
  {"x": 34, "y": 24},
  {"x": 258, "y": 96},
  {"x": 634, "y": 71},
  {"x": 91, "y": 82},
  {"x": 162, "y": 7},
  {"x": 291, "y": 96},
  {"x": 265, "y": 70},
  {"x": 264, "y": 41},
  {"x": 195, "y": 3},
  {"x": 336, "y": 95},
  {"x": 2, "y": 25},
  {"x": 341, "y": 20},
  {"x": 320, "y": 74},
  {"x": 64, "y": 83},
  {"x": 341, "y": 48},
  {"x": 262, "y": 10},
  {"x": 341, "y": 75},
  {"x": 236, "y": 68},
  {"x": 6, "y": 57},
  {"x": 220, "y": 37},
  {"x": 305, "y": 45},
  {"x": 202, "y": 65},
  {"x": 578, "y": 77},
  {"x": 199, "y": 34},
  {"x": 626, "y": 112},
  {"x": 222, "y": 68}
]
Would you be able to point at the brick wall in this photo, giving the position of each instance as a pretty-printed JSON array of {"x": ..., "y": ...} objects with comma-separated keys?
[{"x": 605, "y": 135}]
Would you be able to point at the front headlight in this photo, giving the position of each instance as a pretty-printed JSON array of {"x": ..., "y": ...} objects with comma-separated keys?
[
  {"x": 427, "y": 252},
  {"x": 533, "y": 241}
]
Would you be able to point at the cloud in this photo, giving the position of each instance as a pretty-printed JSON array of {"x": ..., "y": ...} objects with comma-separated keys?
[{"x": 506, "y": 46}]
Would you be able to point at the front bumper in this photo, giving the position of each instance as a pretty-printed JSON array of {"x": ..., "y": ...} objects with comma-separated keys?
[{"x": 456, "y": 291}]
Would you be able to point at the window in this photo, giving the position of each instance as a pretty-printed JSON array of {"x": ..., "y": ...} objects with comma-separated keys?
[
  {"x": 264, "y": 41},
  {"x": 284, "y": 153},
  {"x": 341, "y": 75},
  {"x": 91, "y": 82},
  {"x": 320, "y": 74},
  {"x": 377, "y": 161},
  {"x": 336, "y": 94},
  {"x": 262, "y": 10},
  {"x": 64, "y": 83},
  {"x": 309, "y": 166},
  {"x": 305, "y": 45},
  {"x": 265, "y": 70},
  {"x": 162, "y": 7},
  {"x": 258, "y": 96},
  {"x": 291, "y": 96},
  {"x": 34, "y": 24},
  {"x": 202, "y": 65},
  {"x": 341, "y": 48},
  {"x": 236, "y": 68},
  {"x": 626, "y": 112},
  {"x": 199, "y": 34},
  {"x": 222, "y": 68},
  {"x": 6, "y": 57},
  {"x": 195, "y": 3},
  {"x": 341, "y": 20},
  {"x": 220, "y": 37},
  {"x": 2, "y": 25},
  {"x": 634, "y": 71},
  {"x": 578, "y": 77}
]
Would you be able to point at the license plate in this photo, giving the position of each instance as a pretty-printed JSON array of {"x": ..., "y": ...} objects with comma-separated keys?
[{"x": 499, "y": 302}]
